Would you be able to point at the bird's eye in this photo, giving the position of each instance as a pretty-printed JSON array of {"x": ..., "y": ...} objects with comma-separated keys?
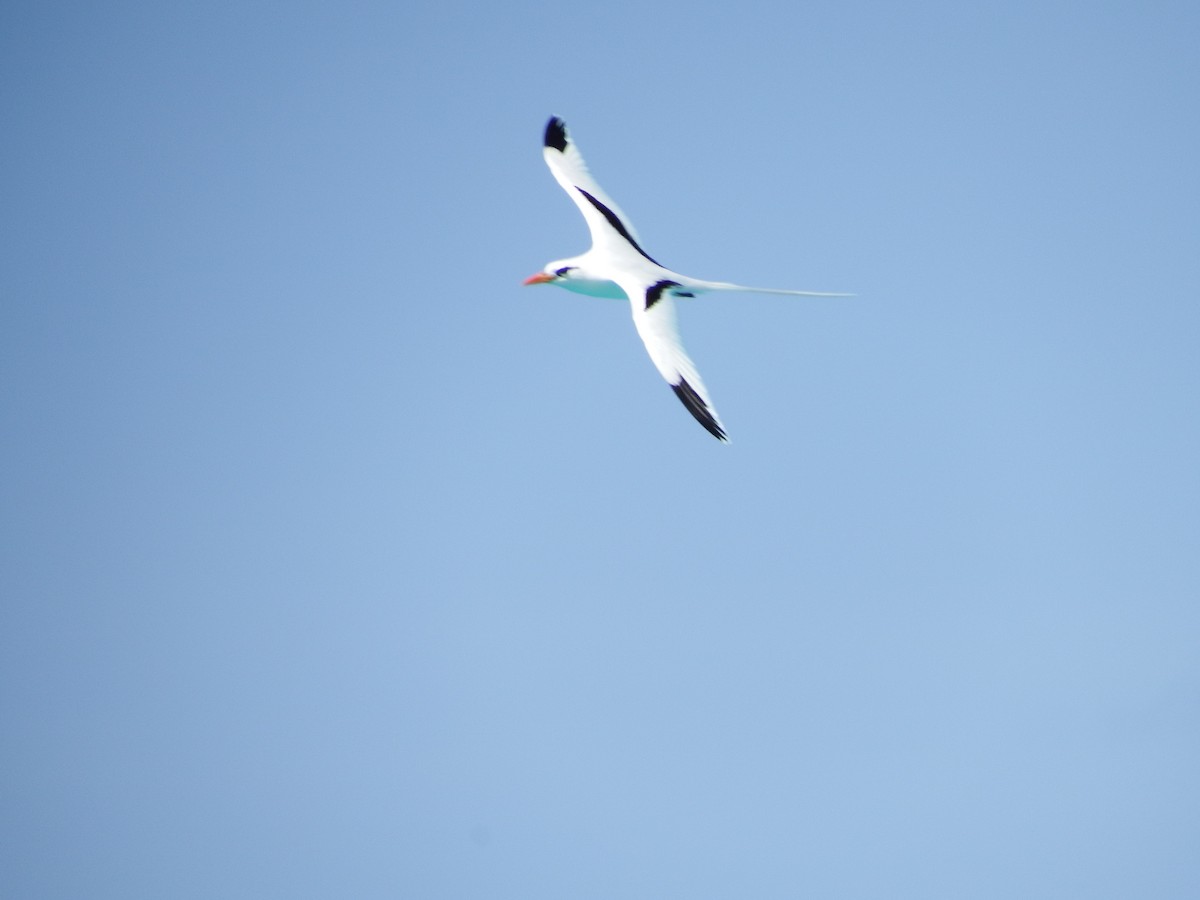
[{"x": 563, "y": 271}]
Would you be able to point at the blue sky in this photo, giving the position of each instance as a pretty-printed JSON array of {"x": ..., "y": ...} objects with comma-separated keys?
[{"x": 337, "y": 564}]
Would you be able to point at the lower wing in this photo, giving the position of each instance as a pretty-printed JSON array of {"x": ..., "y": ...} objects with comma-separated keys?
[{"x": 654, "y": 315}]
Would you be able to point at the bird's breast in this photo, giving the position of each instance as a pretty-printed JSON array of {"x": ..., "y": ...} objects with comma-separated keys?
[{"x": 594, "y": 287}]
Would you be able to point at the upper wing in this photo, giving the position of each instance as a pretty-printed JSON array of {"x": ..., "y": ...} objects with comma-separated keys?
[
  {"x": 611, "y": 230},
  {"x": 654, "y": 315}
]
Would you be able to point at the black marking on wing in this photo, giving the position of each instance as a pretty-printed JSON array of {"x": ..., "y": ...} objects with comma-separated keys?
[
  {"x": 556, "y": 134},
  {"x": 616, "y": 224},
  {"x": 698, "y": 408},
  {"x": 655, "y": 291}
]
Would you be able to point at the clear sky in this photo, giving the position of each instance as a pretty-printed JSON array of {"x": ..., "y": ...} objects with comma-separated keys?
[{"x": 335, "y": 563}]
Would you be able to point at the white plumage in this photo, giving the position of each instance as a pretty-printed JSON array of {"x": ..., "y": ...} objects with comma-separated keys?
[{"x": 618, "y": 266}]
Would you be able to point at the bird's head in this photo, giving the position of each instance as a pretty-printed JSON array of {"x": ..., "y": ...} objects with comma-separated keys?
[{"x": 553, "y": 273}]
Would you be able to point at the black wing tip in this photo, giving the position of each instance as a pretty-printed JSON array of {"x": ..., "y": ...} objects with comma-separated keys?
[
  {"x": 556, "y": 134},
  {"x": 698, "y": 408}
]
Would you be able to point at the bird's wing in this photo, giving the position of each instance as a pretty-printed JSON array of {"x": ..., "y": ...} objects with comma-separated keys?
[
  {"x": 654, "y": 315},
  {"x": 611, "y": 229}
]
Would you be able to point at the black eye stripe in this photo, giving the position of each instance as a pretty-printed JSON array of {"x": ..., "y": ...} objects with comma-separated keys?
[{"x": 563, "y": 271}]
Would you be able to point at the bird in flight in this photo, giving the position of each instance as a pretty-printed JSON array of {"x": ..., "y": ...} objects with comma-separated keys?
[{"x": 617, "y": 266}]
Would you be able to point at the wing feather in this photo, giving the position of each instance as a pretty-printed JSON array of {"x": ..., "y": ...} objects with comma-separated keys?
[
  {"x": 656, "y": 325},
  {"x": 610, "y": 228}
]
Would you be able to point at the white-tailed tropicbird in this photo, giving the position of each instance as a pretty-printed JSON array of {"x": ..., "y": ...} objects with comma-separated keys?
[{"x": 617, "y": 266}]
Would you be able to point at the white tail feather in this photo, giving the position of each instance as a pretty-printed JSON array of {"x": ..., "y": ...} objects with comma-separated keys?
[{"x": 726, "y": 286}]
